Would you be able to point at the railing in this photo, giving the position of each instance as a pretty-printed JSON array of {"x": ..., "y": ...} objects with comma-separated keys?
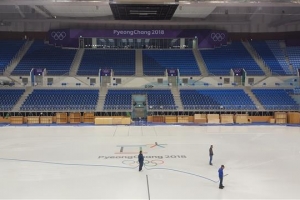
[
  {"x": 57, "y": 73},
  {"x": 278, "y": 73},
  {"x": 87, "y": 73},
  {"x": 152, "y": 108},
  {"x": 20, "y": 73},
  {"x": 242, "y": 107},
  {"x": 150, "y": 73}
]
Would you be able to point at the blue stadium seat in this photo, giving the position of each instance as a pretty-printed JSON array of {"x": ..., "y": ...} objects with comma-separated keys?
[
  {"x": 275, "y": 99},
  {"x": 61, "y": 99},
  {"x": 122, "y": 99},
  {"x": 294, "y": 57},
  {"x": 267, "y": 49},
  {"x": 8, "y": 49},
  {"x": 56, "y": 60},
  {"x": 220, "y": 61},
  {"x": 121, "y": 61},
  {"x": 157, "y": 61},
  {"x": 9, "y": 97},
  {"x": 227, "y": 99}
]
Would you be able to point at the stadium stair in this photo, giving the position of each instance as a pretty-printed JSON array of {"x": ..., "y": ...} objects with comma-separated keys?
[
  {"x": 139, "y": 71},
  {"x": 254, "y": 99},
  {"x": 101, "y": 98},
  {"x": 76, "y": 62},
  {"x": 287, "y": 59},
  {"x": 18, "y": 57},
  {"x": 293, "y": 53},
  {"x": 257, "y": 58},
  {"x": 20, "y": 102},
  {"x": 201, "y": 64},
  {"x": 296, "y": 98},
  {"x": 177, "y": 98},
  {"x": 279, "y": 54}
]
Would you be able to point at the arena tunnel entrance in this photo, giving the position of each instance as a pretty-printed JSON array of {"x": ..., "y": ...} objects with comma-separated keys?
[{"x": 139, "y": 107}]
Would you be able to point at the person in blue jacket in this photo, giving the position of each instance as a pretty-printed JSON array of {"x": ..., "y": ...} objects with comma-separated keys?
[
  {"x": 141, "y": 160},
  {"x": 221, "y": 186}
]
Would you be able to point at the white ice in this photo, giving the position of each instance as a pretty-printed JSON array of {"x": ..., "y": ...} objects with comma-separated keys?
[{"x": 83, "y": 162}]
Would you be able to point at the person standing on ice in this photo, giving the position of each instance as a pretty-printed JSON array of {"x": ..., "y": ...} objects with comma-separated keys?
[
  {"x": 211, "y": 153},
  {"x": 141, "y": 160},
  {"x": 221, "y": 186}
]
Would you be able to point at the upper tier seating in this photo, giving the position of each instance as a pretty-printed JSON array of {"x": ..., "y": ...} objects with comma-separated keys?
[
  {"x": 61, "y": 99},
  {"x": 294, "y": 57},
  {"x": 275, "y": 99},
  {"x": 57, "y": 61},
  {"x": 122, "y": 99},
  {"x": 121, "y": 61},
  {"x": 8, "y": 49},
  {"x": 157, "y": 61},
  {"x": 264, "y": 50},
  {"x": 227, "y": 99},
  {"x": 279, "y": 55},
  {"x": 8, "y": 98},
  {"x": 220, "y": 61}
]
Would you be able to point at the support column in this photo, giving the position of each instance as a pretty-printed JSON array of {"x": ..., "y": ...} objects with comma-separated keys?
[
  {"x": 182, "y": 43},
  {"x": 94, "y": 43}
]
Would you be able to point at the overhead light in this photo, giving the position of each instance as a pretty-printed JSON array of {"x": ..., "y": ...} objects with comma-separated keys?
[{"x": 184, "y": 2}]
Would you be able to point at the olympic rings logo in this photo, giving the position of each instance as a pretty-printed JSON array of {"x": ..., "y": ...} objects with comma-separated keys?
[
  {"x": 147, "y": 163},
  {"x": 217, "y": 36},
  {"x": 58, "y": 35}
]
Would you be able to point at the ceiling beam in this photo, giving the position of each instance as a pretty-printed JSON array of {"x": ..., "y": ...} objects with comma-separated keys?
[
  {"x": 256, "y": 11},
  {"x": 194, "y": 3},
  {"x": 39, "y": 10},
  {"x": 130, "y": 22},
  {"x": 20, "y": 11},
  {"x": 284, "y": 21}
]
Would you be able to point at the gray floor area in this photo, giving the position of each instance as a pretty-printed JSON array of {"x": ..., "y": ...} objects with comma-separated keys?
[{"x": 83, "y": 162}]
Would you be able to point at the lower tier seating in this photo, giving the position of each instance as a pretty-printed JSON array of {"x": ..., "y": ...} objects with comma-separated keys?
[
  {"x": 227, "y": 99},
  {"x": 56, "y": 100},
  {"x": 275, "y": 99},
  {"x": 122, "y": 99},
  {"x": 8, "y": 98}
]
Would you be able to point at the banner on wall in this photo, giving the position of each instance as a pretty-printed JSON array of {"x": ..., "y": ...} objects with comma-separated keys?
[
  {"x": 38, "y": 72},
  {"x": 206, "y": 38},
  {"x": 105, "y": 72},
  {"x": 238, "y": 71},
  {"x": 172, "y": 72}
]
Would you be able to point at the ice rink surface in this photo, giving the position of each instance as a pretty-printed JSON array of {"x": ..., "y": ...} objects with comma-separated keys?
[{"x": 99, "y": 162}]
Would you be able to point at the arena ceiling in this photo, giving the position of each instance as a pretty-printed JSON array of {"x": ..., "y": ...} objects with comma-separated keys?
[{"x": 274, "y": 13}]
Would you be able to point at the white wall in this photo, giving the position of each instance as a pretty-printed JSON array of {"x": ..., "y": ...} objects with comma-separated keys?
[
  {"x": 140, "y": 81},
  {"x": 259, "y": 81},
  {"x": 71, "y": 81},
  {"x": 258, "y": 24},
  {"x": 212, "y": 81}
]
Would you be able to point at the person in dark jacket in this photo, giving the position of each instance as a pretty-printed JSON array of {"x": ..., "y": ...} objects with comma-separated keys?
[
  {"x": 221, "y": 186},
  {"x": 211, "y": 153},
  {"x": 141, "y": 160}
]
